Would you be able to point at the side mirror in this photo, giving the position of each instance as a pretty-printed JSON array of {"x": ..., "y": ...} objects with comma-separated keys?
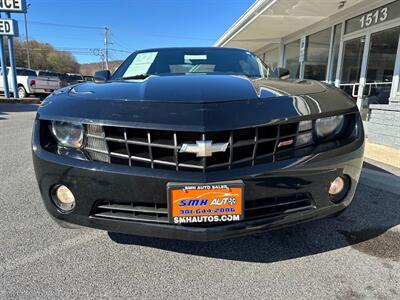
[
  {"x": 281, "y": 73},
  {"x": 101, "y": 76}
]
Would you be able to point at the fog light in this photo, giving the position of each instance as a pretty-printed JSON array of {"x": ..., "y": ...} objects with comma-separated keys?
[
  {"x": 337, "y": 186},
  {"x": 63, "y": 198}
]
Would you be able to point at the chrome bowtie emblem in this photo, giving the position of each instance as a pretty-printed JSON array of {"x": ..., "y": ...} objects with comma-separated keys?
[{"x": 204, "y": 148}]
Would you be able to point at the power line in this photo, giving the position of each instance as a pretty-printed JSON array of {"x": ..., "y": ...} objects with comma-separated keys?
[
  {"x": 119, "y": 50},
  {"x": 45, "y": 50},
  {"x": 58, "y": 37},
  {"x": 119, "y": 43},
  {"x": 136, "y": 33},
  {"x": 71, "y": 48},
  {"x": 66, "y": 25},
  {"x": 167, "y": 36},
  {"x": 179, "y": 37},
  {"x": 76, "y": 50}
]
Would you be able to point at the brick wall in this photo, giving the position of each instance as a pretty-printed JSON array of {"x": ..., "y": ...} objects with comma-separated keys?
[{"x": 383, "y": 126}]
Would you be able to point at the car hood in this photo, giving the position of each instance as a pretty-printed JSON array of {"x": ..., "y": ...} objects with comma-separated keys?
[
  {"x": 196, "y": 88},
  {"x": 198, "y": 102}
]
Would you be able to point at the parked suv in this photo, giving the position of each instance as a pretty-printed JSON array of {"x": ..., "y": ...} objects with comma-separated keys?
[
  {"x": 29, "y": 83},
  {"x": 75, "y": 78}
]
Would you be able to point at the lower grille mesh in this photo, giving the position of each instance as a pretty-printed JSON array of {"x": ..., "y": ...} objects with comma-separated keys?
[
  {"x": 133, "y": 212},
  {"x": 266, "y": 207},
  {"x": 158, "y": 213}
]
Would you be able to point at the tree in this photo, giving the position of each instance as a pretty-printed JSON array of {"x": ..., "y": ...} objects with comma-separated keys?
[
  {"x": 62, "y": 62},
  {"x": 43, "y": 56},
  {"x": 90, "y": 68}
]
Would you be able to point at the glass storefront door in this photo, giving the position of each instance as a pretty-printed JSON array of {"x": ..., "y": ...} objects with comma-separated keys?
[
  {"x": 380, "y": 67},
  {"x": 367, "y": 75},
  {"x": 352, "y": 61}
]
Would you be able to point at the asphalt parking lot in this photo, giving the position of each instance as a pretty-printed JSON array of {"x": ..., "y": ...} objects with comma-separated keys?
[{"x": 356, "y": 256}]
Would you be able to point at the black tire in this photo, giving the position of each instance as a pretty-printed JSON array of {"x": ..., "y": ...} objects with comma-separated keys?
[{"x": 22, "y": 92}]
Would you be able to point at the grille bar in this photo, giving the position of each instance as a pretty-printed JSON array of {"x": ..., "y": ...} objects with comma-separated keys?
[
  {"x": 276, "y": 204},
  {"x": 131, "y": 217},
  {"x": 137, "y": 208},
  {"x": 161, "y": 148},
  {"x": 176, "y": 152},
  {"x": 133, "y": 212}
]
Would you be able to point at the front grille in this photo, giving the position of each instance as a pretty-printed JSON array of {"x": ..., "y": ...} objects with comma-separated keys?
[
  {"x": 161, "y": 148},
  {"x": 158, "y": 213}
]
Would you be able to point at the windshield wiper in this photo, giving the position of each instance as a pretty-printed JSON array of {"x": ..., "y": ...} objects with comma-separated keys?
[
  {"x": 251, "y": 75},
  {"x": 140, "y": 76}
]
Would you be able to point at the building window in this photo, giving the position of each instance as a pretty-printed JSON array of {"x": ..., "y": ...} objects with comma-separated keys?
[
  {"x": 292, "y": 52},
  {"x": 381, "y": 63},
  {"x": 351, "y": 65},
  {"x": 271, "y": 58},
  {"x": 398, "y": 90},
  {"x": 335, "y": 51},
  {"x": 317, "y": 54},
  {"x": 352, "y": 60}
]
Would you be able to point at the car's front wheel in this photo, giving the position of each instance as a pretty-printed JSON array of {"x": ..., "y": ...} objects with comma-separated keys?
[{"x": 22, "y": 92}]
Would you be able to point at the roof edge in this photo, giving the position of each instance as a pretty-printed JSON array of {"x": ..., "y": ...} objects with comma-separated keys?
[{"x": 256, "y": 9}]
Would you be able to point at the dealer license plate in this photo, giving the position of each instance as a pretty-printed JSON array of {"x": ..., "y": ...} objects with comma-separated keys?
[{"x": 205, "y": 203}]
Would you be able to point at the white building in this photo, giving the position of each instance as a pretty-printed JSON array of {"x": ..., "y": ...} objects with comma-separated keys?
[{"x": 353, "y": 44}]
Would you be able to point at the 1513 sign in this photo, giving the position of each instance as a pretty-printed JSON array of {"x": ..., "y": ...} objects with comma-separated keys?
[
  {"x": 373, "y": 17},
  {"x": 380, "y": 15}
]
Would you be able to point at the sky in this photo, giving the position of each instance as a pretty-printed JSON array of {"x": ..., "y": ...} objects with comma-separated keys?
[{"x": 77, "y": 25}]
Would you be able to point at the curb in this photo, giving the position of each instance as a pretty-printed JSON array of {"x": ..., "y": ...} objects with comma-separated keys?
[
  {"x": 379, "y": 180},
  {"x": 20, "y": 101},
  {"x": 383, "y": 154}
]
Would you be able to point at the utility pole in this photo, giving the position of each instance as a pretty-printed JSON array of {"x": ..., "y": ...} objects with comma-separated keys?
[
  {"x": 99, "y": 52},
  {"x": 106, "y": 42},
  {"x": 26, "y": 36},
  {"x": 4, "y": 68},
  {"x": 13, "y": 69}
]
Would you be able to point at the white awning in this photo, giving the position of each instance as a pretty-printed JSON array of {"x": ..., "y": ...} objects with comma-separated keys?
[{"x": 268, "y": 21}]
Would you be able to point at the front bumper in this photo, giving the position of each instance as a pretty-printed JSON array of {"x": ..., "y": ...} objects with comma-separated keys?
[
  {"x": 38, "y": 91},
  {"x": 92, "y": 182}
]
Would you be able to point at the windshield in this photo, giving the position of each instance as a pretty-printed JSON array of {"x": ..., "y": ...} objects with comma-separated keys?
[
  {"x": 191, "y": 60},
  {"x": 75, "y": 77},
  {"x": 63, "y": 76},
  {"x": 47, "y": 73},
  {"x": 25, "y": 72}
]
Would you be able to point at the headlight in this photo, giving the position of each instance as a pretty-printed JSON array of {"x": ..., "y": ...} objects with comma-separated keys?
[
  {"x": 327, "y": 128},
  {"x": 68, "y": 134}
]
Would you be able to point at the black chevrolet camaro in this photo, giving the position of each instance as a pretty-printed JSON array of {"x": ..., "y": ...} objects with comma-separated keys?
[{"x": 196, "y": 144}]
